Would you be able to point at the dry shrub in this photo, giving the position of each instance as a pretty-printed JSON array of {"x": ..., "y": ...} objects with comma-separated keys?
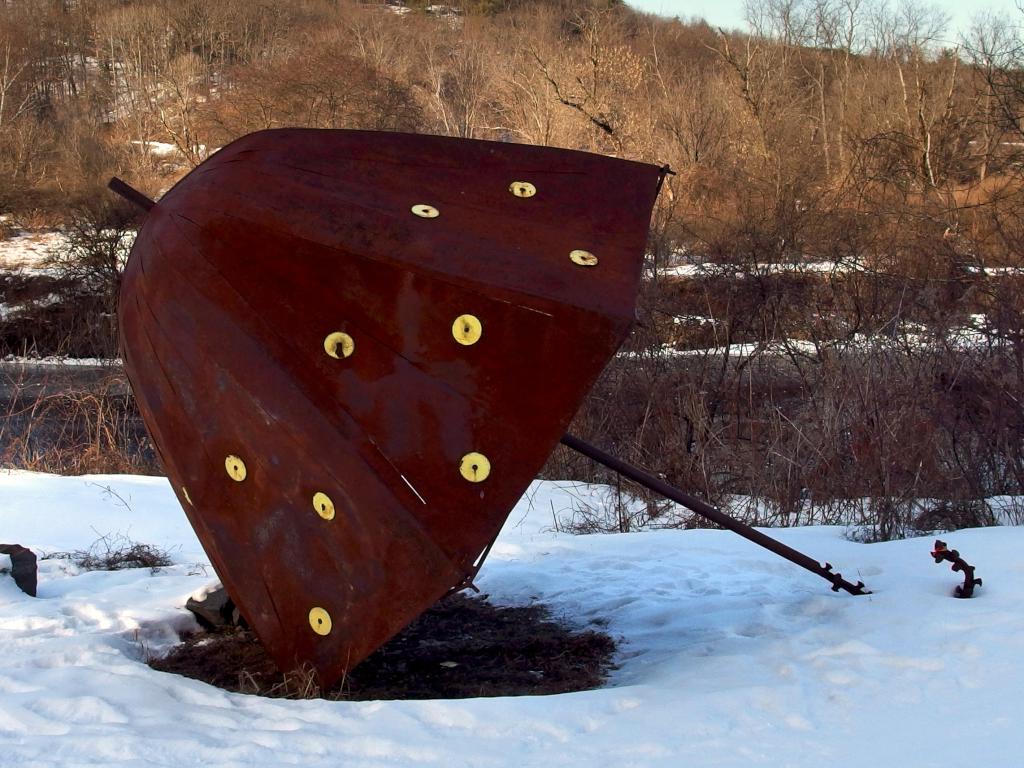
[
  {"x": 323, "y": 87},
  {"x": 70, "y": 308},
  {"x": 830, "y": 415},
  {"x": 116, "y": 552},
  {"x": 55, "y": 424}
]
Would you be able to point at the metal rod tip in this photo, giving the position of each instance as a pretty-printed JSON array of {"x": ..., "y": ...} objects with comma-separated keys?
[{"x": 130, "y": 194}]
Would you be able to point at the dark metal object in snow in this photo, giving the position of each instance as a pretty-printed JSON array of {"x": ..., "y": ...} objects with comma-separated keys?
[
  {"x": 355, "y": 350},
  {"x": 24, "y": 569},
  {"x": 215, "y": 610},
  {"x": 707, "y": 511},
  {"x": 940, "y": 553}
]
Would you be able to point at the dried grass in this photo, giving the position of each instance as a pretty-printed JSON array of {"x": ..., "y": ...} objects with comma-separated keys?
[
  {"x": 116, "y": 552},
  {"x": 73, "y": 428}
]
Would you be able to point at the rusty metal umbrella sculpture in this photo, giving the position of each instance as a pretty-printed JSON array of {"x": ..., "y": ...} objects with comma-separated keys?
[{"x": 354, "y": 351}]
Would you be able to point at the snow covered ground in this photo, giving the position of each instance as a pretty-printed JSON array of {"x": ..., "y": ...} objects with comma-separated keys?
[
  {"x": 59, "y": 361},
  {"x": 729, "y": 656},
  {"x": 29, "y": 252},
  {"x": 715, "y": 269}
]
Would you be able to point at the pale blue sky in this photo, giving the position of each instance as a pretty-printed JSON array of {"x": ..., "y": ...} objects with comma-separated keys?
[{"x": 729, "y": 13}]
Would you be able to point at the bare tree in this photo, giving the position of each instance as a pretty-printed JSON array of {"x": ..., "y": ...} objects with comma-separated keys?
[{"x": 15, "y": 98}]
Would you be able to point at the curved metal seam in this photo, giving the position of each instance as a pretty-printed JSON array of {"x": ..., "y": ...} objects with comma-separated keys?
[{"x": 468, "y": 284}]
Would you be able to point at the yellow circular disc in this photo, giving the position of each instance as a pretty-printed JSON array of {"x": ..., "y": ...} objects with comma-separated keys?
[
  {"x": 339, "y": 345},
  {"x": 522, "y": 189},
  {"x": 235, "y": 467},
  {"x": 426, "y": 211},
  {"x": 323, "y": 505},
  {"x": 320, "y": 621},
  {"x": 467, "y": 329},
  {"x": 583, "y": 258},
  {"x": 475, "y": 467}
]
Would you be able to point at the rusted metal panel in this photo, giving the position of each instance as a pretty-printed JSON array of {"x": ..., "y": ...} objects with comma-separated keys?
[{"x": 355, "y": 350}]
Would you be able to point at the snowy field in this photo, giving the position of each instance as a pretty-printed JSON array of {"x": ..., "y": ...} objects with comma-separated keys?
[
  {"x": 728, "y": 655},
  {"x": 29, "y": 252}
]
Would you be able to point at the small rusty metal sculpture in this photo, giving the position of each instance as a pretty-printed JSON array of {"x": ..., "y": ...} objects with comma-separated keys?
[
  {"x": 24, "y": 568},
  {"x": 355, "y": 350},
  {"x": 941, "y": 553}
]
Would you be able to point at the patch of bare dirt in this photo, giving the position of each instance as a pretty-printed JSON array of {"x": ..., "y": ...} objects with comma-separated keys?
[{"x": 462, "y": 647}]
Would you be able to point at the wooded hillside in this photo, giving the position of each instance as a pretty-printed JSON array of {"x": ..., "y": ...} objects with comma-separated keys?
[{"x": 836, "y": 286}]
